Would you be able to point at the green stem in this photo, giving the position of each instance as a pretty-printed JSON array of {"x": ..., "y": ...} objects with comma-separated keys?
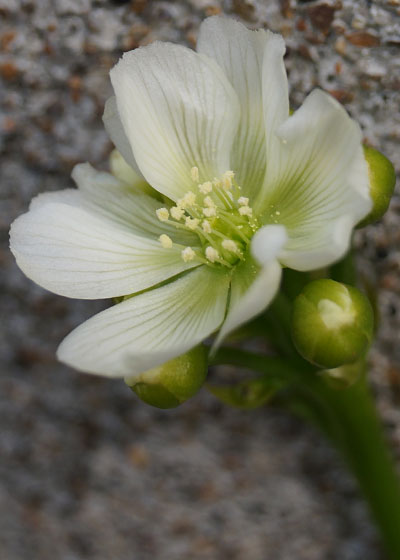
[
  {"x": 365, "y": 449},
  {"x": 348, "y": 418}
]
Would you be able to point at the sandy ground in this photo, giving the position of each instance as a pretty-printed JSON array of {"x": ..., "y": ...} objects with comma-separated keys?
[{"x": 86, "y": 470}]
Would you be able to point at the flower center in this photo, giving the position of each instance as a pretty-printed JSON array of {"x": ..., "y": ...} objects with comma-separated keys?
[{"x": 220, "y": 216}]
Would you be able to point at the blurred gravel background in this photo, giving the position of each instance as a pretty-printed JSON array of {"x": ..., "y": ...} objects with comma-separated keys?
[{"x": 87, "y": 471}]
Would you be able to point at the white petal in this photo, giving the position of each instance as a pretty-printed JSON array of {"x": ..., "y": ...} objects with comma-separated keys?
[
  {"x": 268, "y": 242},
  {"x": 116, "y": 132},
  {"x": 255, "y": 282},
  {"x": 125, "y": 173},
  {"x": 124, "y": 205},
  {"x": 253, "y": 62},
  {"x": 75, "y": 252},
  {"x": 252, "y": 290},
  {"x": 178, "y": 111},
  {"x": 321, "y": 190},
  {"x": 150, "y": 328}
]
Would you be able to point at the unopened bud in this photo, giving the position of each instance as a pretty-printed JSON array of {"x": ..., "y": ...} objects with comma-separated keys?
[
  {"x": 332, "y": 323},
  {"x": 174, "y": 382},
  {"x": 382, "y": 179}
]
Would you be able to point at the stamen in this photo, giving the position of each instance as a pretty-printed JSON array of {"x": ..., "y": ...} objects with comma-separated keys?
[
  {"x": 211, "y": 254},
  {"x": 176, "y": 212},
  {"x": 165, "y": 241},
  {"x": 194, "y": 173},
  {"x": 208, "y": 201},
  {"x": 188, "y": 200},
  {"x": 206, "y": 187},
  {"x": 162, "y": 214},
  {"x": 187, "y": 254},
  {"x": 230, "y": 245},
  {"x": 227, "y": 180},
  {"x": 206, "y": 226},
  {"x": 192, "y": 223},
  {"x": 243, "y": 201},
  {"x": 209, "y": 212},
  {"x": 245, "y": 211}
]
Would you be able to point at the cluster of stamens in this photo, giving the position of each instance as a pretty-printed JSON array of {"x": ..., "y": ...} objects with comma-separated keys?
[{"x": 218, "y": 214}]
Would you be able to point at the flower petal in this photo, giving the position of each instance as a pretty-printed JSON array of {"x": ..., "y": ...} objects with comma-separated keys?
[
  {"x": 253, "y": 63},
  {"x": 116, "y": 132},
  {"x": 73, "y": 251},
  {"x": 320, "y": 189},
  {"x": 178, "y": 111},
  {"x": 151, "y": 328},
  {"x": 255, "y": 281},
  {"x": 124, "y": 204}
]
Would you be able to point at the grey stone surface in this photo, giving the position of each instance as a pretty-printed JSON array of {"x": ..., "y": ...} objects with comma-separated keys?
[{"x": 87, "y": 471}]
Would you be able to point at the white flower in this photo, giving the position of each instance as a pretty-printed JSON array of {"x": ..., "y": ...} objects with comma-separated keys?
[{"x": 284, "y": 191}]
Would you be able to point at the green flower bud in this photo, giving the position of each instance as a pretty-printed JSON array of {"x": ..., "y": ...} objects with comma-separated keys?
[
  {"x": 332, "y": 323},
  {"x": 174, "y": 382},
  {"x": 382, "y": 179}
]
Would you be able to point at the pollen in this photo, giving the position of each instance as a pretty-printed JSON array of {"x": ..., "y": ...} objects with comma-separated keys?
[
  {"x": 230, "y": 245},
  {"x": 188, "y": 254},
  {"x": 194, "y": 173},
  {"x": 188, "y": 200},
  {"x": 191, "y": 223},
  {"x": 206, "y": 187},
  {"x": 209, "y": 212},
  {"x": 162, "y": 214},
  {"x": 245, "y": 211},
  {"x": 208, "y": 201},
  {"x": 177, "y": 212},
  {"x": 211, "y": 254},
  {"x": 219, "y": 215},
  {"x": 227, "y": 178},
  {"x": 165, "y": 241},
  {"x": 206, "y": 226}
]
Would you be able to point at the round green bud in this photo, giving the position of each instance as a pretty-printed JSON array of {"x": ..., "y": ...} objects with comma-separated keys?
[
  {"x": 174, "y": 382},
  {"x": 382, "y": 180},
  {"x": 332, "y": 323}
]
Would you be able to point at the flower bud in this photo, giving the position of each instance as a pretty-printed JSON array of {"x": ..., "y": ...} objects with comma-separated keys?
[
  {"x": 124, "y": 172},
  {"x": 382, "y": 179},
  {"x": 174, "y": 382},
  {"x": 332, "y": 323}
]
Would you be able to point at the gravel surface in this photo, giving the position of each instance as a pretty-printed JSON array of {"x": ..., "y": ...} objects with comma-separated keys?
[{"x": 86, "y": 470}]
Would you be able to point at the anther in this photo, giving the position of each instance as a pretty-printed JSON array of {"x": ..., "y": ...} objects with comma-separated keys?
[
  {"x": 194, "y": 173},
  {"x": 162, "y": 214},
  {"x": 206, "y": 226},
  {"x": 208, "y": 201},
  {"x": 187, "y": 254},
  {"x": 176, "y": 212},
  {"x": 211, "y": 254},
  {"x": 243, "y": 201},
  {"x": 230, "y": 245},
  {"x": 165, "y": 241},
  {"x": 189, "y": 199},
  {"x": 245, "y": 211},
  {"x": 191, "y": 223},
  {"x": 209, "y": 212},
  {"x": 206, "y": 187}
]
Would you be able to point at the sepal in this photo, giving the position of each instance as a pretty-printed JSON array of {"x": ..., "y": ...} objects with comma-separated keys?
[{"x": 174, "y": 382}]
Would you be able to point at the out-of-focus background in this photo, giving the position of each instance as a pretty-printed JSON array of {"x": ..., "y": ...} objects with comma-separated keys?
[{"x": 86, "y": 470}]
